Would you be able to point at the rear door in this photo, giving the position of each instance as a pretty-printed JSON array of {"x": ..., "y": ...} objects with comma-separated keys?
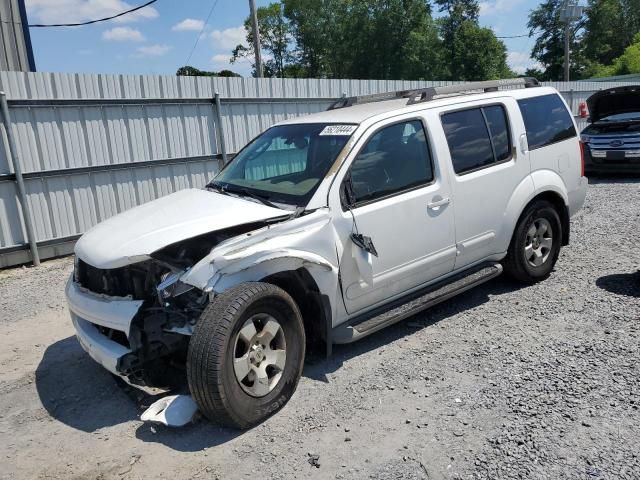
[{"x": 486, "y": 168}]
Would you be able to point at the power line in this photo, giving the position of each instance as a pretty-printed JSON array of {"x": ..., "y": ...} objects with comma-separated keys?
[
  {"x": 41, "y": 25},
  {"x": 206, "y": 22}
]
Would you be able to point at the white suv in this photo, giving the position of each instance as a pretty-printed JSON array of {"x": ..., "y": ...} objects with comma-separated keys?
[{"x": 325, "y": 229}]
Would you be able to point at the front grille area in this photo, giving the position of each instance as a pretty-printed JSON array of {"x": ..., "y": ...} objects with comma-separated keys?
[
  {"x": 138, "y": 280},
  {"x": 600, "y": 144}
]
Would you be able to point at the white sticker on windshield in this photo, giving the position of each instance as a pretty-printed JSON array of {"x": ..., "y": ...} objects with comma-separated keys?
[{"x": 338, "y": 130}]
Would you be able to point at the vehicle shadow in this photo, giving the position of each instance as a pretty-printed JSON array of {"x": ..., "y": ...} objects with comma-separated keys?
[
  {"x": 627, "y": 284},
  {"x": 318, "y": 367},
  {"x": 78, "y": 392},
  {"x": 597, "y": 178},
  {"x": 81, "y": 394}
]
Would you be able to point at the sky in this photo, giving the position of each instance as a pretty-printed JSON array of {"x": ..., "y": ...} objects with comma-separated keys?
[{"x": 161, "y": 37}]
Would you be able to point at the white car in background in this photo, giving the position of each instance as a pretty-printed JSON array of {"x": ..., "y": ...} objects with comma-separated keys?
[{"x": 325, "y": 229}]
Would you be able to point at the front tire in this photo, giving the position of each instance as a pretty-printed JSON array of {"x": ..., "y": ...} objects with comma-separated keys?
[
  {"x": 535, "y": 245},
  {"x": 246, "y": 354}
]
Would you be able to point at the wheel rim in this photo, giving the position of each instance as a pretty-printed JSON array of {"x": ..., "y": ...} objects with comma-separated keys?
[
  {"x": 260, "y": 355},
  {"x": 539, "y": 242}
]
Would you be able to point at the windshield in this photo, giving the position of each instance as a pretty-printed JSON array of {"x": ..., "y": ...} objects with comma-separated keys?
[
  {"x": 619, "y": 117},
  {"x": 285, "y": 164}
]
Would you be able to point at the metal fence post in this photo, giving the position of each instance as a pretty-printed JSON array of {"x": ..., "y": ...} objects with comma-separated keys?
[
  {"x": 223, "y": 146},
  {"x": 22, "y": 193},
  {"x": 572, "y": 102}
]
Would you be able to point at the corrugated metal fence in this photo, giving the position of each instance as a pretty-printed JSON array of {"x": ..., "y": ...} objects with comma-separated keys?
[{"x": 91, "y": 146}]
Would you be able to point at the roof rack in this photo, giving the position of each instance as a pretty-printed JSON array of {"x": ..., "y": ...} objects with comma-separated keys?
[{"x": 428, "y": 94}]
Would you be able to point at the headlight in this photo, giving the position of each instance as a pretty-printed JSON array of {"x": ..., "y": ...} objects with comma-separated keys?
[
  {"x": 585, "y": 138},
  {"x": 171, "y": 287}
]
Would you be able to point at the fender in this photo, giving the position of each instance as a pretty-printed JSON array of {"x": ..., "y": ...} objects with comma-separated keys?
[
  {"x": 538, "y": 182},
  {"x": 549, "y": 181},
  {"x": 263, "y": 264},
  {"x": 522, "y": 195},
  {"x": 305, "y": 242}
]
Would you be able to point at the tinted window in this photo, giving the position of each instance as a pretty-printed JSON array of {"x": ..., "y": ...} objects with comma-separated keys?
[
  {"x": 547, "y": 120},
  {"x": 468, "y": 140},
  {"x": 394, "y": 159},
  {"x": 497, "y": 121}
]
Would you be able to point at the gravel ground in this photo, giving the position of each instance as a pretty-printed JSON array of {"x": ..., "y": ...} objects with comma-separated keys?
[{"x": 501, "y": 382}]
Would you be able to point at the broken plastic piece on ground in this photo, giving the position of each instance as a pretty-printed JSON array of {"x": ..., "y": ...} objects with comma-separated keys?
[{"x": 172, "y": 411}]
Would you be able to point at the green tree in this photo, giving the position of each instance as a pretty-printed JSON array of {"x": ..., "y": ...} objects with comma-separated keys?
[
  {"x": 189, "y": 71},
  {"x": 479, "y": 55},
  {"x": 458, "y": 13},
  {"x": 604, "y": 38},
  {"x": 424, "y": 57},
  {"x": 610, "y": 28},
  {"x": 628, "y": 62},
  {"x": 474, "y": 53},
  {"x": 544, "y": 21},
  {"x": 383, "y": 39},
  {"x": 275, "y": 39}
]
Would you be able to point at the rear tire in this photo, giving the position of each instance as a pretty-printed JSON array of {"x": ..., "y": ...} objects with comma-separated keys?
[
  {"x": 535, "y": 245},
  {"x": 246, "y": 354}
]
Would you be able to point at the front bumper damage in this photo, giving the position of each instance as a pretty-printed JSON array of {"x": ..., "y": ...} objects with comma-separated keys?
[{"x": 89, "y": 312}]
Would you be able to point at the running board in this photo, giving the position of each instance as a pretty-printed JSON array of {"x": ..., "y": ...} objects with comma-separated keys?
[{"x": 405, "y": 307}]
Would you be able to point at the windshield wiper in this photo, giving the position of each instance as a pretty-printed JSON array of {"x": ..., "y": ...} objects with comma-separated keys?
[
  {"x": 248, "y": 193},
  {"x": 217, "y": 188}
]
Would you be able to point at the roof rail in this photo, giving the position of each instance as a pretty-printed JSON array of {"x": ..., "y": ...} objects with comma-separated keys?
[
  {"x": 428, "y": 94},
  {"x": 376, "y": 97}
]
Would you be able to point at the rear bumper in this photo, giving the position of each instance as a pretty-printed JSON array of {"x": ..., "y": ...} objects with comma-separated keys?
[
  {"x": 89, "y": 311},
  {"x": 577, "y": 196}
]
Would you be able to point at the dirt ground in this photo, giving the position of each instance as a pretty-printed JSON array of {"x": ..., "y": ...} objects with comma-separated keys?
[{"x": 501, "y": 382}]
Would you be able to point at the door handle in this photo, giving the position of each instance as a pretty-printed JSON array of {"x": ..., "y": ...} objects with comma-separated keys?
[{"x": 439, "y": 203}]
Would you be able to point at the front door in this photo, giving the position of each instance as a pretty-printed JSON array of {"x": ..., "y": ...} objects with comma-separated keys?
[{"x": 397, "y": 198}]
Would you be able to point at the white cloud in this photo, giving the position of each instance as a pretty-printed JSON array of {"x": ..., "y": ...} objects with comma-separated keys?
[
  {"x": 153, "y": 50},
  {"x": 123, "y": 34},
  {"x": 188, "y": 25},
  {"x": 521, "y": 61},
  {"x": 222, "y": 59},
  {"x": 75, "y": 11},
  {"x": 494, "y": 7},
  {"x": 229, "y": 38}
]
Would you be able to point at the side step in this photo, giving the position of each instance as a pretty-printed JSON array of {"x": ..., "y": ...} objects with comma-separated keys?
[{"x": 405, "y": 307}]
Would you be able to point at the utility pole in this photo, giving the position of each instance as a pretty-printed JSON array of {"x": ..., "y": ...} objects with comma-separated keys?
[
  {"x": 256, "y": 38},
  {"x": 569, "y": 13},
  {"x": 567, "y": 51}
]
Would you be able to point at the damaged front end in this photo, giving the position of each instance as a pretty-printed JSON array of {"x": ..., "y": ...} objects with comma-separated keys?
[{"x": 137, "y": 320}]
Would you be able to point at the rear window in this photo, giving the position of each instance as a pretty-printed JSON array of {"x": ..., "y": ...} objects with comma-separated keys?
[
  {"x": 547, "y": 120},
  {"x": 477, "y": 137}
]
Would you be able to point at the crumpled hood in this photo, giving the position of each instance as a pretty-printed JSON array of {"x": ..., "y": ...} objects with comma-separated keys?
[
  {"x": 612, "y": 101},
  {"x": 133, "y": 235}
]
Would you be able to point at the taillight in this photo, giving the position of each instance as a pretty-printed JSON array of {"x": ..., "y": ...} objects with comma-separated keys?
[{"x": 581, "y": 159}]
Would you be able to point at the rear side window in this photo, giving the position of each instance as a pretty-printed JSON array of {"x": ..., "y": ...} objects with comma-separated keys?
[
  {"x": 547, "y": 120},
  {"x": 477, "y": 138}
]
